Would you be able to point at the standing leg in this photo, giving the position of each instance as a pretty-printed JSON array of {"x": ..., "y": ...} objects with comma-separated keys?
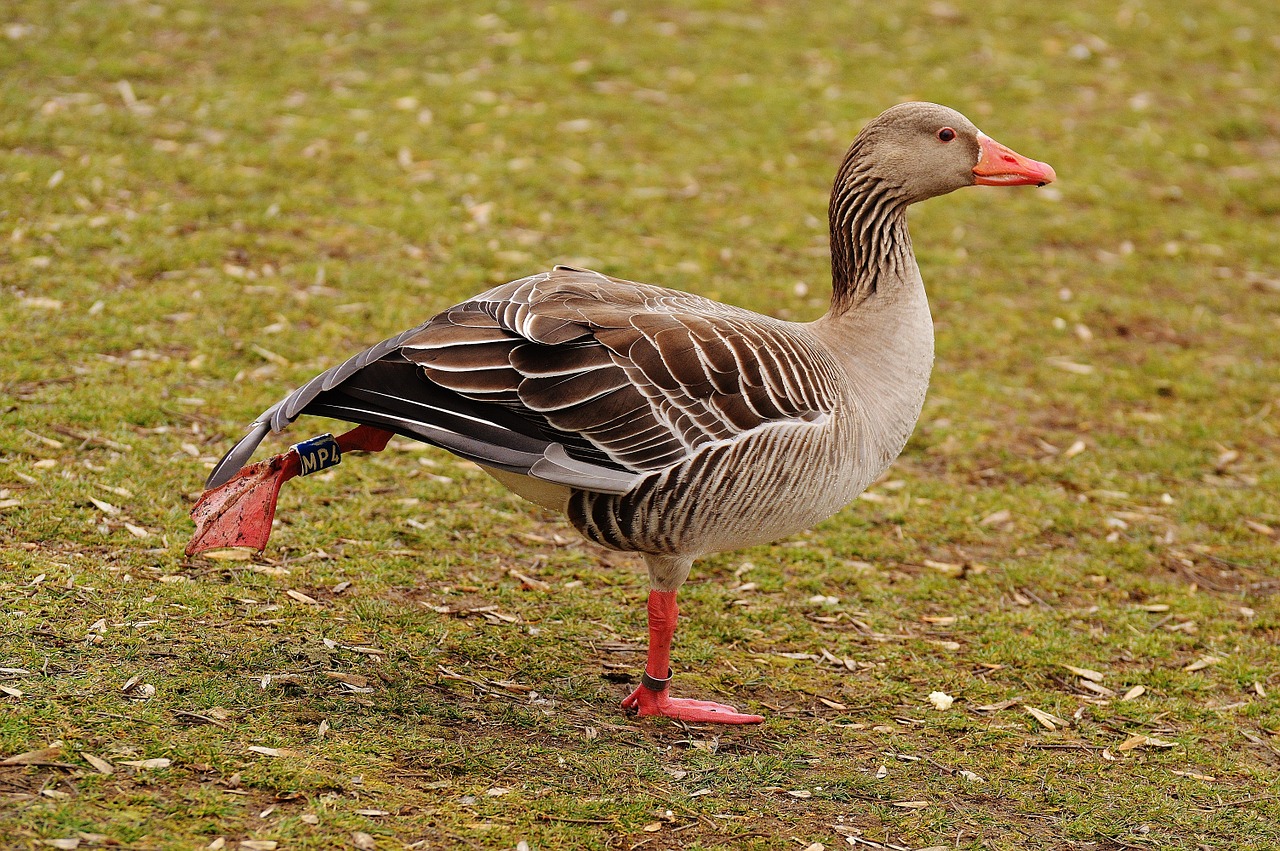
[{"x": 653, "y": 697}]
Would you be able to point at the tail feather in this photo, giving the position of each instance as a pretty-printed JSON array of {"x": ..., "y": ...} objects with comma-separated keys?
[
  {"x": 392, "y": 394},
  {"x": 239, "y": 454},
  {"x": 468, "y": 447}
]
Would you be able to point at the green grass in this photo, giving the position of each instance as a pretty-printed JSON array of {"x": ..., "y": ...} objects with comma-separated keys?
[{"x": 202, "y": 205}]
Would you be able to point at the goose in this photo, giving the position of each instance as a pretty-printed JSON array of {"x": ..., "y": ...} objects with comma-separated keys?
[{"x": 660, "y": 422}]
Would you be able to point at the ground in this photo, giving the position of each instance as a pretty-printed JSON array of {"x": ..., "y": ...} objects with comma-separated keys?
[{"x": 203, "y": 204}]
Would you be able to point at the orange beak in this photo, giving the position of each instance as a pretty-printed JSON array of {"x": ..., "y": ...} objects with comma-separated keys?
[{"x": 1000, "y": 166}]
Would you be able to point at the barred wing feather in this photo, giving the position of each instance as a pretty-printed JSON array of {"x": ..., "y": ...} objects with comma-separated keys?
[{"x": 573, "y": 377}]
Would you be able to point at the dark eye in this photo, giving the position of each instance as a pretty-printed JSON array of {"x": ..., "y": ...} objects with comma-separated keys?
[{"x": 946, "y": 134}]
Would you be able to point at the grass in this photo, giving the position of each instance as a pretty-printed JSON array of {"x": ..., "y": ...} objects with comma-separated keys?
[{"x": 202, "y": 205}]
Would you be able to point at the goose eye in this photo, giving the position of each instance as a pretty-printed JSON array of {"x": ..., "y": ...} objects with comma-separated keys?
[{"x": 946, "y": 134}]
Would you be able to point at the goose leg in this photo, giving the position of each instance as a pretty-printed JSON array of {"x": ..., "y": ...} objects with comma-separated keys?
[
  {"x": 653, "y": 697},
  {"x": 239, "y": 513}
]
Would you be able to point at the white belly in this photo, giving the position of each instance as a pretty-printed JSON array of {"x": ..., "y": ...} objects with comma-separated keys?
[{"x": 547, "y": 494}]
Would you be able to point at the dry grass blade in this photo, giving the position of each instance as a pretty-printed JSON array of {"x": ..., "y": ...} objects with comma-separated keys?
[
  {"x": 198, "y": 718},
  {"x": 996, "y": 518},
  {"x": 36, "y": 757},
  {"x": 1074, "y": 449},
  {"x": 947, "y": 567},
  {"x": 99, "y": 764},
  {"x": 1225, "y": 459},
  {"x": 1087, "y": 673},
  {"x": 1141, "y": 740},
  {"x": 1071, "y": 366},
  {"x": 1202, "y": 663},
  {"x": 274, "y": 752},
  {"x": 1261, "y": 528},
  {"x": 1048, "y": 719},
  {"x": 127, "y": 494},
  {"x": 1100, "y": 690},
  {"x": 104, "y": 506},
  {"x": 368, "y": 651},
  {"x": 528, "y": 581}
]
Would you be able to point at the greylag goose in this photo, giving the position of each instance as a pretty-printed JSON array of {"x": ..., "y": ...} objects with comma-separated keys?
[{"x": 659, "y": 422}]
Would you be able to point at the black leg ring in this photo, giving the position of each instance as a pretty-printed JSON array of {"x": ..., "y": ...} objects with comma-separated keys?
[{"x": 655, "y": 684}]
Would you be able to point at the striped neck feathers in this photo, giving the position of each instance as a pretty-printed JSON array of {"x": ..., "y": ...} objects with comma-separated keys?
[{"x": 870, "y": 245}]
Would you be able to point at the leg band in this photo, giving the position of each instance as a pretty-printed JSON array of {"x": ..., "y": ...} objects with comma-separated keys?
[{"x": 655, "y": 684}]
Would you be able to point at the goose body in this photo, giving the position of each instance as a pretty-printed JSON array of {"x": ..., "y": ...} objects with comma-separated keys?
[{"x": 665, "y": 423}]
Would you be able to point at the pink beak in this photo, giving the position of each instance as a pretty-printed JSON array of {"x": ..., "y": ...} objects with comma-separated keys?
[{"x": 1001, "y": 166}]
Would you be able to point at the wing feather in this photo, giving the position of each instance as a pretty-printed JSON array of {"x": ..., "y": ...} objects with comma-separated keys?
[{"x": 575, "y": 377}]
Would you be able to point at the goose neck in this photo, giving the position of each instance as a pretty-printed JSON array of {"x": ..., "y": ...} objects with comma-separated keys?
[{"x": 870, "y": 244}]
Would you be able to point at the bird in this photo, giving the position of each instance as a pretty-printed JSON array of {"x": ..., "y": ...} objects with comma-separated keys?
[{"x": 656, "y": 421}]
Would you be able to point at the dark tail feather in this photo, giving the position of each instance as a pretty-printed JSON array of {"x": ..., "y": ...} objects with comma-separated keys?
[
  {"x": 238, "y": 456},
  {"x": 393, "y": 395},
  {"x": 473, "y": 448}
]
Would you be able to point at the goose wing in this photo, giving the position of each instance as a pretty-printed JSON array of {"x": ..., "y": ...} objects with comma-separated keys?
[{"x": 573, "y": 377}]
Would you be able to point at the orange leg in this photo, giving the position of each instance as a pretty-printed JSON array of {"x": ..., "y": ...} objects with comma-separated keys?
[
  {"x": 653, "y": 697},
  {"x": 240, "y": 512}
]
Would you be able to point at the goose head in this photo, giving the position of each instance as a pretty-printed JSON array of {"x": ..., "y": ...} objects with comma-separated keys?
[{"x": 923, "y": 150}]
